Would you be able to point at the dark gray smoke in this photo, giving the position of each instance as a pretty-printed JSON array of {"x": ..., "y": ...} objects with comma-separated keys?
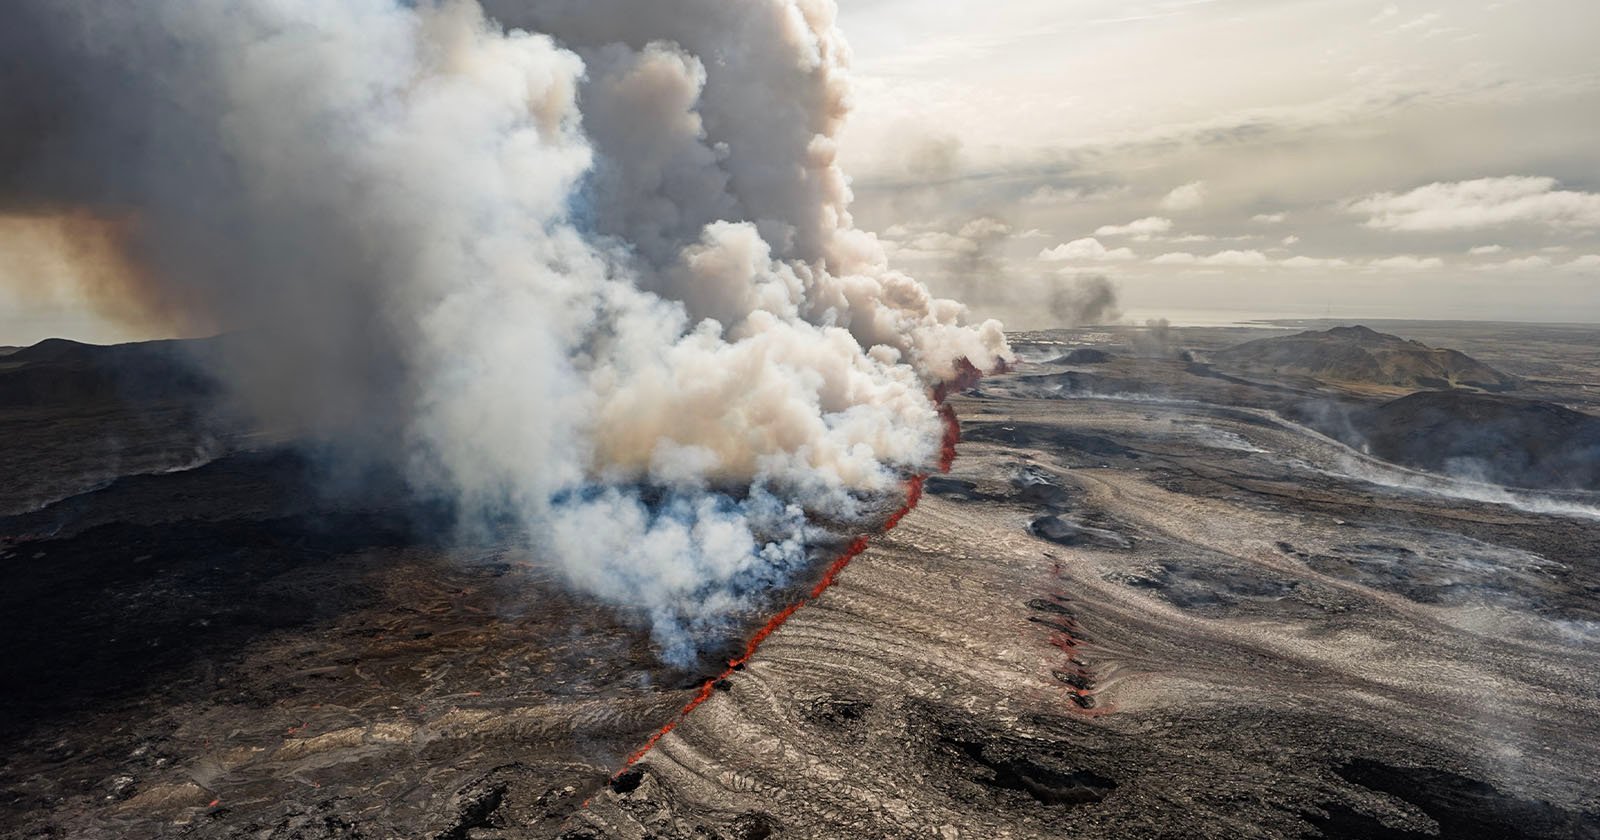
[
  {"x": 541, "y": 254},
  {"x": 1158, "y": 340},
  {"x": 1089, "y": 299}
]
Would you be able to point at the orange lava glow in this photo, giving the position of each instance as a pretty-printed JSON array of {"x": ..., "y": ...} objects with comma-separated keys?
[{"x": 966, "y": 376}]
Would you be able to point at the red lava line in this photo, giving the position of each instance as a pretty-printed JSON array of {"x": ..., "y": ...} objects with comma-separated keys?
[{"x": 967, "y": 376}]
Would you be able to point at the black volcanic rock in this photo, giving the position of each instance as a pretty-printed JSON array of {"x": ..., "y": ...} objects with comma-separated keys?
[
  {"x": 1363, "y": 355},
  {"x": 1524, "y": 443}
]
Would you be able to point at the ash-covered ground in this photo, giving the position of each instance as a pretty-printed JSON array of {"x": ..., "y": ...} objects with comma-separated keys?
[{"x": 1155, "y": 598}]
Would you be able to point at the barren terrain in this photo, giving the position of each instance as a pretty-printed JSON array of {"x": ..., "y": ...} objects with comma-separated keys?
[{"x": 1150, "y": 600}]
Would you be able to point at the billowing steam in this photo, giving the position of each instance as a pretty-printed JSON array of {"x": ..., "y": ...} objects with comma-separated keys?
[{"x": 587, "y": 262}]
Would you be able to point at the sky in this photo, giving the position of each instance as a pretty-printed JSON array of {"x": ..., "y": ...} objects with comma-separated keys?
[
  {"x": 1213, "y": 160},
  {"x": 1227, "y": 159}
]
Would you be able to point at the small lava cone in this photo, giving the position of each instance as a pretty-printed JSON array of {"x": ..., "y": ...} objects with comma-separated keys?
[
  {"x": 628, "y": 780},
  {"x": 953, "y": 488},
  {"x": 1007, "y": 770},
  {"x": 754, "y": 826},
  {"x": 1064, "y": 532}
]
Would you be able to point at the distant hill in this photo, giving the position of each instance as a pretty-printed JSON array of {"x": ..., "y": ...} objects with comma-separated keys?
[
  {"x": 57, "y": 372},
  {"x": 1363, "y": 355},
  {"x": 1523, "y": 443}
]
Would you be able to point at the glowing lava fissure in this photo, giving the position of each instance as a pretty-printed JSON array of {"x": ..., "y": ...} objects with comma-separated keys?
[{"x": 967, "y": 375}]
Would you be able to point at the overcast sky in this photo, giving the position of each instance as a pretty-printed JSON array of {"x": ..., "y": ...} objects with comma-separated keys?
[
  {"x": 1215, "y": 159},
  {"x": 1218, "y": 158}
]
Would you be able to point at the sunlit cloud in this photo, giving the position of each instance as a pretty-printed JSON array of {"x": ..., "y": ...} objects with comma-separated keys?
[
  {"x": 1481, "y": 203},
  {"x": 1406, "y": 262},
  {"x": 1140, "y": 228},
  {"x": 1086, "y": 250},
  {"x": 1185, "y": 198}
]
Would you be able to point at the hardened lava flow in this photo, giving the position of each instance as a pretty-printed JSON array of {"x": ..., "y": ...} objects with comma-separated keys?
[{"x": 967, "y": 375}]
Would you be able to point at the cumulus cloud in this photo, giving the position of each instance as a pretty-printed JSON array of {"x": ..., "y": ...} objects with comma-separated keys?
[
  {"x": 923, "y": 242},
  {"x": 1187, "y": 197},
  {"x": 1052, "y": 195},
  {"x": 1221, "y": 259},
  {"x": 1585, "y": 263},
  {"x": 1048, "y": 195},
  {"x": 1087, "y": 249},
  {"x": 1481, "y": 203},
  {"x": 1406, "y": 262},
  {"x": 985, "y": 227},
  {"x": 1314, "y": 262},
  {"x": 1139, "y": 228},
  {"x": 1236, "y": 258},
  {"x": 1532, "y": 263},
  {"x": 930, "y": 245}
]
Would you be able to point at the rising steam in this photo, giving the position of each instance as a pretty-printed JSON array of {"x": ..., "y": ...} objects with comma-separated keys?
[{"x": 587, "y": 261}]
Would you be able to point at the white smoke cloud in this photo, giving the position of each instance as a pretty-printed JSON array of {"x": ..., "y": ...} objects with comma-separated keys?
[{"x": 598, "y": 272}]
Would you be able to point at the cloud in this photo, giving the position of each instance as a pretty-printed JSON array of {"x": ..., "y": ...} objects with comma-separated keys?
[
  {"x": 1086, "y": 250},
  {"x": 985, "y": 227},
  {"x": 1485, "y": 250},
  {"x": 1270, "y": 218},
  {"x": 1481, "y": 203},
  {"x": 1033, "y": 233},
  {"x": 1419, "y": 22},
  {"x": 1314, "y": 262},
  {"x": 1141, "y": 228},
  {"x": 1228, "y": 259},
  {"x": 1290, "y": 240},
  {"x": 927, "y": 242},
  {"x": 1585, "y": 263},
  {"x": 1047, "y": 195},
  {"x": 1236, "y": 259},
  {"x": 1187, "y": 197},
  {"x": 1519, "y": 264},
  {"x": 934, "y": 245},
  {"x": 1405, "y": 262}
]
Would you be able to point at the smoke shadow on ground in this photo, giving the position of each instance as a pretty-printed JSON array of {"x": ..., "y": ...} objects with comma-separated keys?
[
  {"x": 113, "y": 605},
  {"x": 1461, "y": 806}
]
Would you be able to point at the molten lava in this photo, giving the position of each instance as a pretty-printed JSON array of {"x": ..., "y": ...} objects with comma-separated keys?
[{"x": 967, "y": 375}]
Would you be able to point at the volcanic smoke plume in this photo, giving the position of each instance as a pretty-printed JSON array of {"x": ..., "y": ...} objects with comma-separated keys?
[{"x": 589, "y": 263}]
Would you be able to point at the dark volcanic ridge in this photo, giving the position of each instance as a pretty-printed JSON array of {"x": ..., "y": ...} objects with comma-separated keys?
[
  {"x": 1082, "y": 356},
  {"x": 1504, "y": 440},
  {"x": 1365, "y": 356}
]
